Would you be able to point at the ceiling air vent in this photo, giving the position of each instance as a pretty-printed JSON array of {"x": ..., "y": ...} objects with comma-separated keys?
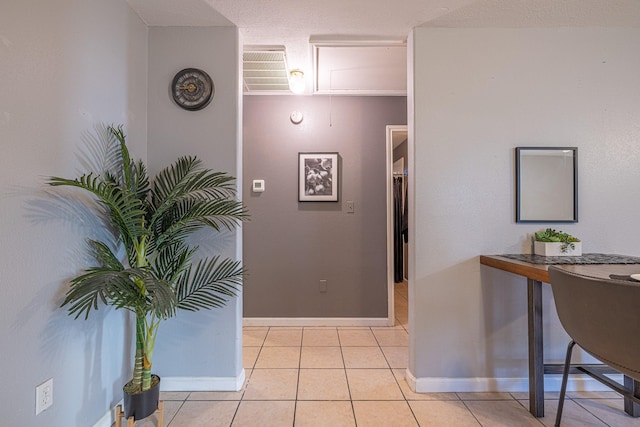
[{"x": 265, "y": 69}]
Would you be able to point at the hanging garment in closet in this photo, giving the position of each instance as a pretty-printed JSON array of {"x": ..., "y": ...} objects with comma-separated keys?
[{"x": 398, "y": 261}]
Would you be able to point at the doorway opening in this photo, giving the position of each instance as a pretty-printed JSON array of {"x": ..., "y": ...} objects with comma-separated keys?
[{"x": 397, "y": 248}]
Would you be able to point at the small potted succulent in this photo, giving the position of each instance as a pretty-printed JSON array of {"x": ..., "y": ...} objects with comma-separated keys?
[
  {"x": 550, "y": 242},
  {"x": 153, "y": 270}
]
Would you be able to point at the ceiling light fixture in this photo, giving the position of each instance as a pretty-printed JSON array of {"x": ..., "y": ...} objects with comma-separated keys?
[{"x": 296, "y": 81}]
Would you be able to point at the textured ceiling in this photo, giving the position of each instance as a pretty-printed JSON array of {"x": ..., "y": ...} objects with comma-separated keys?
[
  {"x": 293, "y": 22},
  {"x": 543, "y": 13}
]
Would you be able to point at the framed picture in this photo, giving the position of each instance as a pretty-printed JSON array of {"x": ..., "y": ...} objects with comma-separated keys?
[{"x": 318, "y": 179}]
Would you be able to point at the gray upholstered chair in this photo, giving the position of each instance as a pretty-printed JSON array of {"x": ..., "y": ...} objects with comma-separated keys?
[{"x": 602, "y": 316}]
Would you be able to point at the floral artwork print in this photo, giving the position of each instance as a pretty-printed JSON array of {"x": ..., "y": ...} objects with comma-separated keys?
[{"x": 318, "y": 177}]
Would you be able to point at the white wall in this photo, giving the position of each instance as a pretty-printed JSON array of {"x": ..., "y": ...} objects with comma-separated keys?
[
  {"x": 478, "y": 93},
  {"x": 198, "y": 350},
  {"x": 65, "y": 67}
]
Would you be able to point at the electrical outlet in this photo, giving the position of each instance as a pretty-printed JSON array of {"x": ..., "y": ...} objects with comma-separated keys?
[
  {"x": 44, "y": 395},
  {"x": 323, "y": 286}
]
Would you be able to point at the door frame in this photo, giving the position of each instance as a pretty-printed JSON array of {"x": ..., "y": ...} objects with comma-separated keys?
[{"x": 392, "y": 131}]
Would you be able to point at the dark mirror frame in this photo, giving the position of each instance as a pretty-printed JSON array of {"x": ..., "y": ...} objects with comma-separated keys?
[{"x": 519, "y": 219}]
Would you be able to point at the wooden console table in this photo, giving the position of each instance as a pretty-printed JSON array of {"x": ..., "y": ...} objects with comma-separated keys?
[{"x": 536, "y": 274}]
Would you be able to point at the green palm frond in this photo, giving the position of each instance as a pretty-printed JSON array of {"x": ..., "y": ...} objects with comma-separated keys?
[
  {"x": 159, "y": 296},
  {"x": 153, "y": 219},
  {"x": 224, "y": 214},
  {"x": 99, "y": 284},
  {"x": 124, "y": 168},
  {"x": 169, "y": 183},
  {"x": 140, "y": 180},
  {"x": 209, "y": 284},
  {"x": 105, "y": 256},
  {"x": 128, "y": 174},
  {"x": 126, "y": 212},
  {"x": 172, "y": 261},
  {"x": 189, "y": 216},
  {"x": 186, "y": 179},
  {"x": 120, "y": 289},
  {"x": 205, "y": 184}
]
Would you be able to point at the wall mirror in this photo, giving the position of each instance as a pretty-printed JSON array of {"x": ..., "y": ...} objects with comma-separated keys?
[{"x": 546, "y": 184}]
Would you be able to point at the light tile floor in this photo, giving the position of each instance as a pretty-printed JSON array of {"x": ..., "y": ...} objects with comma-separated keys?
[{"x": 336, "y": 377}]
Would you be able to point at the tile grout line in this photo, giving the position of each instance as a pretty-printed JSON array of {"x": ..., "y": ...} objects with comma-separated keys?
[
  {"x": 415, "y": 418},
  {"x": 464, "y": 403},
  {"x": 295, "y": 402},
  {"x": 397, "y": 379},
  {"x": 594, "y": 415},
  {"x": 346, "y": 377},
  {"x": 248, "y": 380}
]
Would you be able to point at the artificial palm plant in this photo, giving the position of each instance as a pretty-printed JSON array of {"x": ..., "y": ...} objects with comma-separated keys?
[{"x": 152, "y": 220}]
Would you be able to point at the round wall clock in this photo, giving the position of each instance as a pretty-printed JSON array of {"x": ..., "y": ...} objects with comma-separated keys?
[{"x": 192, "y": 89}]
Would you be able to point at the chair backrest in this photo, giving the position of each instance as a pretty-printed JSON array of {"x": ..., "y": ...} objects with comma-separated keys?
[{"x": 602, "y": 316}]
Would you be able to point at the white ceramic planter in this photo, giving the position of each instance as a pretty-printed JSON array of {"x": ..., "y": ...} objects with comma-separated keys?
[{"x": 554, "y": 249}]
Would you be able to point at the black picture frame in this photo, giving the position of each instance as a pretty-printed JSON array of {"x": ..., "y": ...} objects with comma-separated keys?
[{"x": 318, "y": 177}]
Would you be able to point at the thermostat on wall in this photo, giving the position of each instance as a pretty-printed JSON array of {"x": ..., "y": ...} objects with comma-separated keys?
[{"x": 258, "y": 185}]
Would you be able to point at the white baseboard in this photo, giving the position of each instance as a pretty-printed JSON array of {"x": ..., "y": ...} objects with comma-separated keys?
[
  {"x": 203, "y": 383},
  {"x": 184, "y": 384},
  {"x": 552, "y": 383},
  {"x": 109, "y": 417},
  {"x": 315, "y": 321}
]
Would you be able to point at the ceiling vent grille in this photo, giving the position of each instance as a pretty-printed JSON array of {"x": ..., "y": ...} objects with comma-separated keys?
[{"x": 265, "y": 69}]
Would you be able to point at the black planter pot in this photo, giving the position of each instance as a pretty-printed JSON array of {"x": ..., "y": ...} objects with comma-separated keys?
[{"x": 141, "y": 405}]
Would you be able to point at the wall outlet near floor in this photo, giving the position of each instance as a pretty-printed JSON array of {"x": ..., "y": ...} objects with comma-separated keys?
[
  {"x": 44, "y": 395},
  {"x": 323, "y": 286}
]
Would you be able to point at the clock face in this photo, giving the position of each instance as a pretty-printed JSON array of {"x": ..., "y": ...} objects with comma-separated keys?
[{"x": 192, "y": 89}]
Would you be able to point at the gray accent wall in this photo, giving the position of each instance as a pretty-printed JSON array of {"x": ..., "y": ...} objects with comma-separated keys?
[{"x": 290, "y": 246}]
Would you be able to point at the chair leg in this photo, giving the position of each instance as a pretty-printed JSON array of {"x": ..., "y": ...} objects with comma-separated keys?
[{"x": 565, "y": 377}]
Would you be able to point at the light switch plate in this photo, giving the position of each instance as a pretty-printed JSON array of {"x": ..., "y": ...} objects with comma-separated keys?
[
  {"x": 258, "y": 185},
  {"x": 350, "y": 206}
]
